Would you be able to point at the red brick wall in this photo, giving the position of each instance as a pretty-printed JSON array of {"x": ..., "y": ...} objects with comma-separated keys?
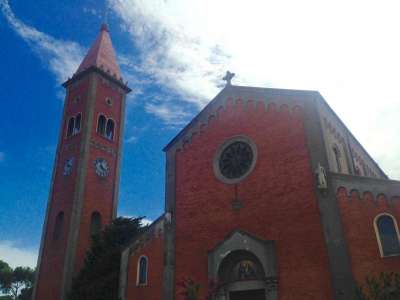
[
  {"x": 358, "y": 214},
  {"x": 99, "y": 192},
  {"x": 154, "y": 251},
  {"x": 52, "y": 264},
  {"x": 278, "y": 196}
]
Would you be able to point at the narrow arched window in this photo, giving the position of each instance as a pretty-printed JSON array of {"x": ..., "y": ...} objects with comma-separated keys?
[
  {"x": 357, "y": 171},
  {"x": 110, "y": 129},
  {"x": 71, "y": 125},
  {"x": 387, "y": 233},
  {"x": 77, "y": 127},
  {"x": 142, "y": 271},
  {"x": 58, "y": 226},
  {"x": 364, "y": 169},
  {"x": 95, "y": 223},
  {"x": 101, "y": 125},
  {"x": 336, "y": 152}
]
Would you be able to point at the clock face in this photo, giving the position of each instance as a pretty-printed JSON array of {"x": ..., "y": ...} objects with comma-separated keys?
[
  {"x": 68, "y": 166},
  {"x": 101, "y": 167}
]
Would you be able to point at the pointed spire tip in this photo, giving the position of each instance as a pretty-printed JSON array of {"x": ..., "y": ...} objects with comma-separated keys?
[
  {"x": 101, "y": 54},
  {"x": 104, "y": 27}
]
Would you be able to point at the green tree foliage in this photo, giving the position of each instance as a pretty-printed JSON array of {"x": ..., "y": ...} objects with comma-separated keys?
[
  {"x": 26, "y": 294},
  {"x": 16, "y": 283},
  {"x": 385, "y": 286},
  {"x": 99, "y": 277}
]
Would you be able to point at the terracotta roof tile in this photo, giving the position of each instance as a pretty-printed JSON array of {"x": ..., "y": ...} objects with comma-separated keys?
[{"x": 102, "y": 55}]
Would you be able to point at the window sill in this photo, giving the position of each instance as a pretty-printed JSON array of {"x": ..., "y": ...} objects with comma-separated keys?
[
  {"x": 105, "y": 138},
  {"x": 391, "y": 255},
  {"x": 72, "y": 135},
  {"x": 141, "y": 285}
]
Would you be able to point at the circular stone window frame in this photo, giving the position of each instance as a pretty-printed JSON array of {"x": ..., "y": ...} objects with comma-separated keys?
[{"x": 221, "y": 149}]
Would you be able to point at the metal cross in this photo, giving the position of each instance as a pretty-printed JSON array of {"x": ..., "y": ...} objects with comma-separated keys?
[{"x": 228, "y": 77}]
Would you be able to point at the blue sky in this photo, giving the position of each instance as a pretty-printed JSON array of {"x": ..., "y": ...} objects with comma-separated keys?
[
  {"x": 173, "y": 54},
  {"x": 31, "y": 96}
]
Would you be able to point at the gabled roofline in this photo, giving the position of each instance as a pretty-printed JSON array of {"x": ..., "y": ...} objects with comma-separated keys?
[
  {"x": 356, "y": 178},
  {"x": 271, "y": 91},
  {"x": 324, "y": 102},
  {"x": 228, "y": 89},
  {"x": 193, "y": 121}
]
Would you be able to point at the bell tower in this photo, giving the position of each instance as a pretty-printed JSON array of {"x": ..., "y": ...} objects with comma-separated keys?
[{"x": 84, "y": 189}]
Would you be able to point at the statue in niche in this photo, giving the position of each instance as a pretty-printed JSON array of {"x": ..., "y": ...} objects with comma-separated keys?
[
  {"x": 246, "y": 270},
  {"x": 321, "y": 177}
]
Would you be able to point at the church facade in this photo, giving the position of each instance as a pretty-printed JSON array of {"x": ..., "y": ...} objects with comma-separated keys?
[{"x": 268, "y": 196}]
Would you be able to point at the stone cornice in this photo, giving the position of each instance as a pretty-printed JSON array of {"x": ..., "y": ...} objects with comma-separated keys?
[{"x": 95, "y": 69}]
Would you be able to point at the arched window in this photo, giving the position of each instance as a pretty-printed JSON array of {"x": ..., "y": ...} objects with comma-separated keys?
[
  {"x": 77, "y": 127},
  {"x": 364, "y": 169},
  {"x": 101, "y": 125},
  {"x": 71, "y": 125},
  {"x": 110, "y": 129},
  {"x": 58, "y": 226},
  {"x": 142, "y": 271},
  {"x": 95, "y": 223},
  {"x": 337, "y": 158},
  {"x": 387, "y": 234},
  {"x": 357, "y": 171}
]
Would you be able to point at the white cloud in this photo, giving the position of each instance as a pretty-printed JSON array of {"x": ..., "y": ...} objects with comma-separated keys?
[
  {"x": 173, "y": 56},
  {"x": 346, "y": 50},
  {"x": 2, "y": 156},
  {"x": 92, "y": 11},
  {"x": 145, "y": 221},
  {"x": 170, "y": 113},
  {"x": 16, "y": 256},
  {"x": 132, "y": 139},
  {"x": 63, "y": 57}
]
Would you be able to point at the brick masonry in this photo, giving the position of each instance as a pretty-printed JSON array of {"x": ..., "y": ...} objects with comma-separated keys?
[
  {"x": 278, "y": 197},
  {"x": 83, "y": 192},
  {"x": 153, "y": 250},
  {"x": 325, "y": 238},
  {"x": 358, "y": 211}
]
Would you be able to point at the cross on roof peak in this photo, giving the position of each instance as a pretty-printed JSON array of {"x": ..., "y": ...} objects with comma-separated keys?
[{"x": 228, "y": 77}]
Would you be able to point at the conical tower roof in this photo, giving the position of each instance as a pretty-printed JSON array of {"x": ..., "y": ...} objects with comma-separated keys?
[{"x": 102, "y": 55}]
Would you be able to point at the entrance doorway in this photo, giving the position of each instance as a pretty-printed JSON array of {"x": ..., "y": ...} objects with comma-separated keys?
[{"x": 248, "y": 295}]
